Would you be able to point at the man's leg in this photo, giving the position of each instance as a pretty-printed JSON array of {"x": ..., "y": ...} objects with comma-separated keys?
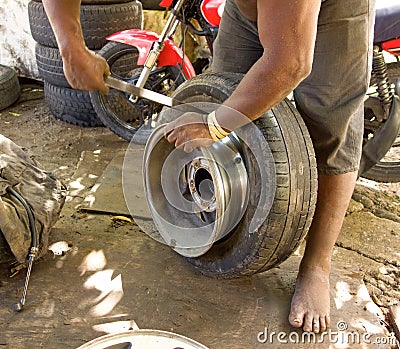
[
  {"x": 311, "y": 301},
  {"x": 331, "y": 103}
]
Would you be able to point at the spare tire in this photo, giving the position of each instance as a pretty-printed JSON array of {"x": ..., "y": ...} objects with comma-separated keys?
[
  {"x": 50, "y": 65},
  {"x": 10, "y": 89},
  {"x": 98, "y": 21},
  {"x": 244, "y": 252}
]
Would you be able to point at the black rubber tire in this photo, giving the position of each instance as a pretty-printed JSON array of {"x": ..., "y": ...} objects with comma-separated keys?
[
  {"x": 241, "y": 254},
  {"x": 385, "y": 171},
  {"x": 394, "y": 70},
  {"x": 50, "y": 65},
  {"x": 10, "y": 89},
  {"x": 152, "y": 5},
  {"x": 114, "y": 109},
  {"x": 69, "y": 105},
  {"x": 98, "y": 21}
]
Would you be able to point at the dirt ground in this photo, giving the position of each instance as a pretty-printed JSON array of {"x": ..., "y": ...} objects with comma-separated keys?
[{"x": 110, "y": 276}]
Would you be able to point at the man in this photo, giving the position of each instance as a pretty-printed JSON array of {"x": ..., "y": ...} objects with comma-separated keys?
[{"x": 319, "y": 49}]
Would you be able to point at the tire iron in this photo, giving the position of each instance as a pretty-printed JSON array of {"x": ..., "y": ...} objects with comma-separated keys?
[{"x": 141, "y": 92}]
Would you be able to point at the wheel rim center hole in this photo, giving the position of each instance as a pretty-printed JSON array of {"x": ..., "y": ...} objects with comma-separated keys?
[{"x": 204, "y": 184}]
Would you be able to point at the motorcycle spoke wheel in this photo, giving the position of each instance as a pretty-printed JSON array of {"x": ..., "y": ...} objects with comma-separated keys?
[{"x": 124, "y": 113}]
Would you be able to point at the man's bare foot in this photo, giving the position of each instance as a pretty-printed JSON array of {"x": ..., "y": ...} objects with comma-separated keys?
[{"x": 311, "y": 301}]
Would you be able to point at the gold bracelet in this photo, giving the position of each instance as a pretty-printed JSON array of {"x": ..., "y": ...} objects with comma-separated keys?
[
  {"x": 220, "y": 130},
  {"x": 212, "y": 130}
]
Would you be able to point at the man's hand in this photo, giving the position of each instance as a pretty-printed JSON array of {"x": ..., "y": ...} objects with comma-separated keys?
[
  {"x": 189, "y": 131},
  {"x": 86, "y": 70},
  {"x": 83, "y": 69}
]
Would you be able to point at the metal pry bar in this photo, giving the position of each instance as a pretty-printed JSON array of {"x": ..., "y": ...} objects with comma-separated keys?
[{"x": 126, "y": 87}]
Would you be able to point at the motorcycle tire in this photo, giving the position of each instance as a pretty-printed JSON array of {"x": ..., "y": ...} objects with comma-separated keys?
[
  {"x": 69, "y": 105},
  {"x": 10, "y": 89},
  {"x": 394, "y": 70},
  {"x": 388, "y": 169},
  {"x": 98, "y": 21},
  {"x": 115, "y": 110},
  {"x": 240, "y": 254}
]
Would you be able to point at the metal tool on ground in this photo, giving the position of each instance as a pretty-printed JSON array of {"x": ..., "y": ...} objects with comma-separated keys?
[{"x": 33, "y": 250}]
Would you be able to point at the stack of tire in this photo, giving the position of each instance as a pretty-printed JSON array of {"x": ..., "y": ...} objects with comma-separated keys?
[{"x": 99, "y": 18}]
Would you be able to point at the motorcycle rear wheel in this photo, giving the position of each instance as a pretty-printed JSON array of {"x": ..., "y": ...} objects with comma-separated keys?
[
  {"x": 123, "y": 113},
  {"x": 388, "y": 169}
]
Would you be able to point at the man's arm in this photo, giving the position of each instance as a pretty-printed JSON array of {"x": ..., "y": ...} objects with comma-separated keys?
[
  {"x": 287, "y": 31},
  {"x": 83, "y": 69}
]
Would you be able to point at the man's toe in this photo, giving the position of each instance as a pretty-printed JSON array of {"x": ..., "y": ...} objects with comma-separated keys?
[
  {"x": 296, "y": 319},
  {"x": 322, "y": 323},
  {"x": 308, "y": 323},
  {"x": 316, "y": 324}
]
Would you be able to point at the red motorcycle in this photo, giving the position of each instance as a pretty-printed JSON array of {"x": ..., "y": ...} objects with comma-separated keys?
[{"x": 153, "y": 61}]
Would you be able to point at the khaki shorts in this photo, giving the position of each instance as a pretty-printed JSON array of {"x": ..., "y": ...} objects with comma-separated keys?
[{"x": 330, "y": 99}]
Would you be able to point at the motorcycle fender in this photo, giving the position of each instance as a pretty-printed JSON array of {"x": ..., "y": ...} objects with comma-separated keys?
[
  {"x": 171, "y": 55},
  {"x": 166, "y": 3},
  {"x": 392, "y": 46},
  {"x": 212, "y": 11}
]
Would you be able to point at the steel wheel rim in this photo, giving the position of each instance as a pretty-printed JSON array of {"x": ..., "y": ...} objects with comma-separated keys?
[{"x": 184, "y": 191}]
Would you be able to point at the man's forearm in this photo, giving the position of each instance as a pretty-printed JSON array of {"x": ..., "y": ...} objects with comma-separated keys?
[
  {"x": 64, "y": 17},
  {"x": 83, "y": 69},
  {"x": 264, "y": 86}
]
